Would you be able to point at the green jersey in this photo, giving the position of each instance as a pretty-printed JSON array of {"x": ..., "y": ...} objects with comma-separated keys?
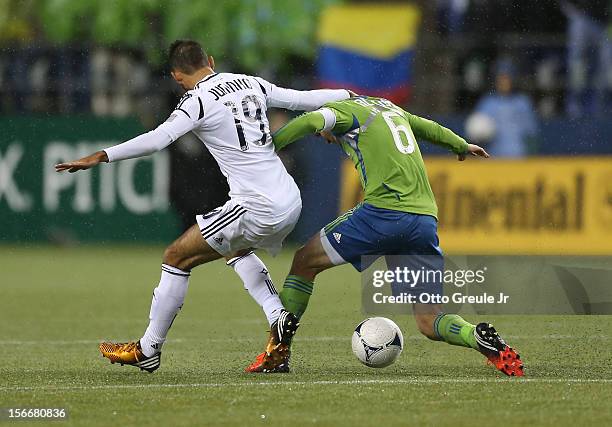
[{"x": 380, "y": 139}]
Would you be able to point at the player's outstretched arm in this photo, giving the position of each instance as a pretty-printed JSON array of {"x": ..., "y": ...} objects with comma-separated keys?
[
  {"x": 142, "y": 145},
  {"x": 84, "y": 163},
  {"x": 300, "y": 100},
  {"x": 326, "y": 122},
  {"x": 474, "y": 150},
  {"x": 439, "y": 135},
  {"x": 306, "y": 124},
  {"x": 187, "y": 115}
]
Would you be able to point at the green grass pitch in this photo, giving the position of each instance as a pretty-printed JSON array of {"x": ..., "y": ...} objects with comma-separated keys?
[{"x": 56, "y": 304}]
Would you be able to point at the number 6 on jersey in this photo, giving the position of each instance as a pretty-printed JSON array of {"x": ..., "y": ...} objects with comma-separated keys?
[{"x": 397, "y": 130}]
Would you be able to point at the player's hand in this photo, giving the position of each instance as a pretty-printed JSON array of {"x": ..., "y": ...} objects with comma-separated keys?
[
  {"x": 329, "y": 137},
  {"x": 82, "y": 164},
  {"x": 474, "y": 150}
]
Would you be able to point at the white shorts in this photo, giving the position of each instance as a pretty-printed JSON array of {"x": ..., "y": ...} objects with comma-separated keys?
[{"x": 233, "y": 227}]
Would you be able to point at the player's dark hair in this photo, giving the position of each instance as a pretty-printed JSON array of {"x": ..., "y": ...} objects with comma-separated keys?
[{"x": 186, "y": 56}]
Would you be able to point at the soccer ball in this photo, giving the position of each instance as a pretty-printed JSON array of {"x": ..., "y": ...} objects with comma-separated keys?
[
  {"x": 377, "y": 342},
  {"x": 480, "y": 128}
]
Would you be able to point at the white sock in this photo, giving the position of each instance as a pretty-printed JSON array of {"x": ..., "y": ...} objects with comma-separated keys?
[
  {"x": 167, "y": 300},
  {"x": 258, "y": 282}
]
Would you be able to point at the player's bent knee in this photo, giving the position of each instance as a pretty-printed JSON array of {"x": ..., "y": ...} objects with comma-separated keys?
[
  {"x": 172, "y": 256},
  {"x": 302, "y": 264},
  {"x": 299, "y": 258}
]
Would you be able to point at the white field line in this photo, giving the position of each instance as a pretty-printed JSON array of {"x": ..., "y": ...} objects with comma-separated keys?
[
  {"x": 408, "y": 381},
  {"x": 298, "y": 338}
]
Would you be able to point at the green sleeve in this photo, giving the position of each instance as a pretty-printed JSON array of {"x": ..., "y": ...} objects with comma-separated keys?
[
  {"x": 298, "y": 128},
  {"x": 436, "y": 134},
  {"x": 345, "y": 120}
]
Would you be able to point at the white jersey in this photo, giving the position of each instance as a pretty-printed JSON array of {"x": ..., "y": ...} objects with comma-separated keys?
[{"x": 227, "y": 112}]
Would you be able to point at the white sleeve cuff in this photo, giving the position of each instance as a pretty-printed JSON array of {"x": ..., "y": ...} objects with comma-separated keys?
[{"x": 329, "y": 117}]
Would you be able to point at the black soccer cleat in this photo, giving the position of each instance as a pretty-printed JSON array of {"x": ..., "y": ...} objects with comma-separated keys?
[
  {"x": 275, "y": 359},
  {"x": 495, "y": 349},
  {"x": 285, "y": 327}
]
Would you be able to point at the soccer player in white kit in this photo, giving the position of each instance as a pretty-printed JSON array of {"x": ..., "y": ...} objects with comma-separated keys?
[{"x": 227, "y": 112}]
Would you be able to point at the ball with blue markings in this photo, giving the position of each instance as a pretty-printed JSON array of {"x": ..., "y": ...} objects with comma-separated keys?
[{"x": 377, "y": 342}]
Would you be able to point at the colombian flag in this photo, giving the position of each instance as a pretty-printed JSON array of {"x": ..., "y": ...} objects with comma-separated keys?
[{"x": 368, "y": 49}]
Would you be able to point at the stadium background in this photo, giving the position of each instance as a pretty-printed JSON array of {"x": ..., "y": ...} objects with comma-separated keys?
[
  {"x": 80, "y": 253},
  {"x": 76, "y": 76}
]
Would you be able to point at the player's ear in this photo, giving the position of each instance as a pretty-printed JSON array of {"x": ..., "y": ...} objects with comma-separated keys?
[
  {"x": 211, "y": 62},
  {"x": 177, "y": 76}
]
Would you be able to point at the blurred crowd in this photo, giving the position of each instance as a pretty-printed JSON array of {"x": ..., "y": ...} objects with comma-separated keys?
[
  {"x": 107, "y": 58},
  {"x": 560, "y": 53},
  {"x": 506, "y": 65},
  {"x": 70, "y": 80},
  {"x": 562, "y": 50}
]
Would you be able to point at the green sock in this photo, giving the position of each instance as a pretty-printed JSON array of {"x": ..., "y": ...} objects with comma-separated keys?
[
  {"x": 295, "y": 294},
  {"x": 453, "y": 329}
]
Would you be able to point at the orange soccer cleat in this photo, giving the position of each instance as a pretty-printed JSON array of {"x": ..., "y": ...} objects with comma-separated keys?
[
  {"x": 130, "y": 354},
  {"x": 275, "y": 359},
  {"x": 495, "y": 349},
  {"x": 509, "y": 362}
]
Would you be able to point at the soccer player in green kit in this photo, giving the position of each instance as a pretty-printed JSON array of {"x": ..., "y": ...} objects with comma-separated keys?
[{"x": 398, "y": 219}]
